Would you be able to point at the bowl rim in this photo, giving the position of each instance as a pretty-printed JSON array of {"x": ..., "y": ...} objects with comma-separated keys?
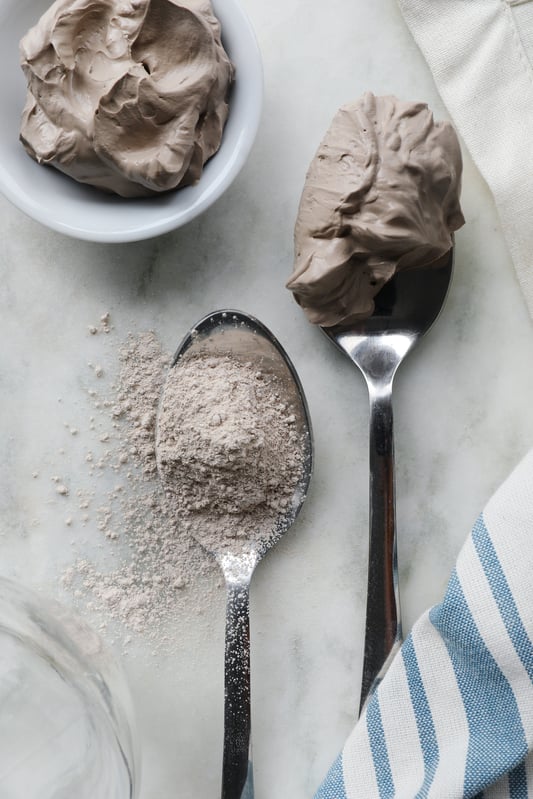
[{"x": 169, "y": 219}]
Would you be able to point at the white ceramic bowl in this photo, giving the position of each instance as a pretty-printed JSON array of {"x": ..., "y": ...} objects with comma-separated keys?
[{"x": 86, "y": 213}]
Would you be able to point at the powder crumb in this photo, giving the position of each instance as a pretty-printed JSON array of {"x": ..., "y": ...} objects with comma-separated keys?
[
  {"x": 104, "y": 325},
  {"x": 62, "y": 489},
  {"x": 105, "y": 322}
]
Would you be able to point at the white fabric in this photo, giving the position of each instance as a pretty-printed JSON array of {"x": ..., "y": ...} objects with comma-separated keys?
[
  {"x": 401, "y": 733},
  {"x": 451, "y": 729},
  {"x": 479, "y": 53}
]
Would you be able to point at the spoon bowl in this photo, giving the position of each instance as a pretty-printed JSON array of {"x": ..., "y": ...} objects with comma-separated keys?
[
  {"x": 405, "y": 309},
  {"x": 222, "y": 333}
]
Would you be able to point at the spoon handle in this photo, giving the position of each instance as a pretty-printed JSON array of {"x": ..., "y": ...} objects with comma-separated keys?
[
  {"x": 383, "y": 630},
  {"x": 237, "y": 773}
]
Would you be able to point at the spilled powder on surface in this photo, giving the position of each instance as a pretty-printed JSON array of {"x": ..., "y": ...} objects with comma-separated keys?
[{"x": 136, "y": 521}]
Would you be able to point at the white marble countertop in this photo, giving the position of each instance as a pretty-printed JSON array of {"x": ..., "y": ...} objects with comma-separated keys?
[{"x": 462, "y": 411}]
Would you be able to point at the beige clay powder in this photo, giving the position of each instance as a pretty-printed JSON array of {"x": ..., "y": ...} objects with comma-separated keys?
[{"x": 228, "y": 448}]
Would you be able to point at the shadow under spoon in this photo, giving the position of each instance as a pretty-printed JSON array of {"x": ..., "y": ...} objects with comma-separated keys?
[
  {"x": 244, "y": 338},
  {"x": 405, "y": 309}
]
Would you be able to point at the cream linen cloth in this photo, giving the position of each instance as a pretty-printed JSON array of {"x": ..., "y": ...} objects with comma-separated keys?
[{"x": 480, "y": 53}]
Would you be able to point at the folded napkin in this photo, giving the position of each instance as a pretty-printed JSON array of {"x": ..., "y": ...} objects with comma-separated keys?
[
  {"x": 453, "y": 716},
  {"x": 480, "y": 53}
]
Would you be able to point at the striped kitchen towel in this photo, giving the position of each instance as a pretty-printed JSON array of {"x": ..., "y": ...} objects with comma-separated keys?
[{"x": 453, "y": 716}]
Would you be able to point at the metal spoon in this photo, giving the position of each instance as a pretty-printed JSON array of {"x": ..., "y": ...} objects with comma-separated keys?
[
  {"x": 234, "y": 332},
  {"x": 405, "y": 309}
]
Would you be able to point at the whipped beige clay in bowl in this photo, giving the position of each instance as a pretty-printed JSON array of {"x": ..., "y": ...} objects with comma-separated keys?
[{"x": 156, "y": 103}]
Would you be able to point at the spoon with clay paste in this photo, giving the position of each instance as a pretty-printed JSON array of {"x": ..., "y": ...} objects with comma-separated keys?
[
  {"x": 405, "y": 309},
  {"x": 237, "y": 334}
]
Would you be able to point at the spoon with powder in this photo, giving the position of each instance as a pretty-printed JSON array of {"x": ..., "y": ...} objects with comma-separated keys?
[{"x": 234, "y": 446}]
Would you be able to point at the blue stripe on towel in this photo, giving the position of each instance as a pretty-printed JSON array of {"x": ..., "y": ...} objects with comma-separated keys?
[
  {"x": 333, "y": 786},
  {"x": 502, "y": 595},
  {"x": 424, "y": 719},
  {"x": 518, "y": 783},
  {"x": 497, "y": 741},
  {"x": 378, "y": 746}
]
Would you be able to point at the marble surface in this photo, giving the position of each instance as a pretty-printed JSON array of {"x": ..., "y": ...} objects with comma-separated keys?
[{"x": 462, "y": 411}]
